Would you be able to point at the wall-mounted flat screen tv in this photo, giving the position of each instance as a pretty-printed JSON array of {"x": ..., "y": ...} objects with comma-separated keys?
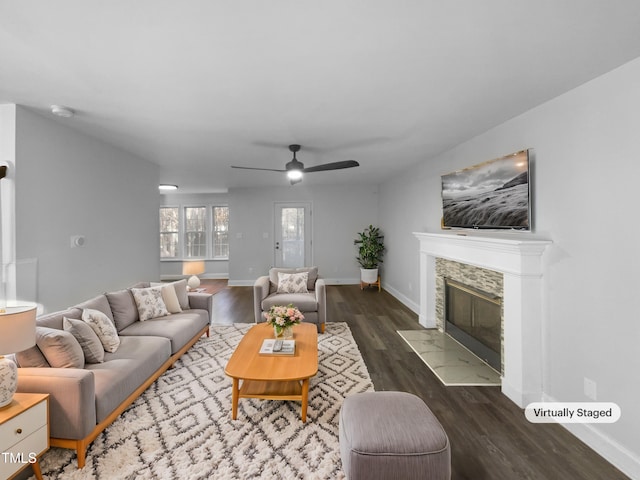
[{"x": 493, "y": 195}]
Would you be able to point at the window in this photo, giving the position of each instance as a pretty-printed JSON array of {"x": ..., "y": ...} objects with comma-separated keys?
[
  {"x": 220, "y": 232},
  {"x": 195, "y": 232},
  {"x": 169, "y": 231}
]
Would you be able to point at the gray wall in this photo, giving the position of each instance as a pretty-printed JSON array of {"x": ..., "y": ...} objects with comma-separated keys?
[
  {"x": 584, "y": 184},
  {"x": 70, "y": 184},
  {"x": 339, "y": 212}
]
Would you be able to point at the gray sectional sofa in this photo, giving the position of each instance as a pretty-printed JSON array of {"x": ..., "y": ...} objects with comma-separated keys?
[{"x": 84, "y": 401}]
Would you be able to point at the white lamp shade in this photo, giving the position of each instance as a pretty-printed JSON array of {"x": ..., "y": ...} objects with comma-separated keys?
[
  {"x": 193, "y": 268},
  {"x": 17, "y": 329},
  {"x": 17, "y": 333}
]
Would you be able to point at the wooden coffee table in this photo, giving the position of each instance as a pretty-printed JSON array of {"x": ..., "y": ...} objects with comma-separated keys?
[{"x": 273, "y": 377}]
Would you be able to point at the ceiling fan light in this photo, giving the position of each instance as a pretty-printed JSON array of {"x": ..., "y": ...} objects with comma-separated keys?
[{"x": 294, "y": 174}]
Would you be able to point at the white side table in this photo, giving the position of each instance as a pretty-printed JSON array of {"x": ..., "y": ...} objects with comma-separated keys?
[{"x": 24, "y": 433}]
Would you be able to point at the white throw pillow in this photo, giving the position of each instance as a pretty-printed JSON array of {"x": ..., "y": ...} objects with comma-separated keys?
[
  {"x": 103, "y": 327},
  {"x": 171, "y": 298},
  {"x": 292, "y": 282},
  {"x": 149, "y": 302}
]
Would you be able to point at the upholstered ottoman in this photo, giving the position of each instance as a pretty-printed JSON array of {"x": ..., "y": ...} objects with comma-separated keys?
[{"x": 392, "y": 435}]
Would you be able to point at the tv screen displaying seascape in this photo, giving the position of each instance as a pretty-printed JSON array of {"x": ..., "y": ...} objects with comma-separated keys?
[{"x": 493, "y": 194}]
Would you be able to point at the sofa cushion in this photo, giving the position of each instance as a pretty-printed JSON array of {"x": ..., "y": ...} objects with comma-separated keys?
[
  {"x": 89, "y": 342},
  {"x": 124, "y": 308},
  {"x": 124, "y": 371},
  {"x": 312, "y": 273},
  {"x": 306, "y": 302},
  {"x": 31, "y": 357},
  {"x": 150, "y": 303},
  {"x": 179, "y": 328},
  {"x": 292, "y": 282},
  {"x": 100, "y": 303},
  {"x": 54, "y": 319},
  {"x": 104, "y": 328},
  {"x": 60, "y": 348}
]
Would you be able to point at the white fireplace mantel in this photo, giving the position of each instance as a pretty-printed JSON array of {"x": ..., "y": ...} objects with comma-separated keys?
[{"x": 519, "y": 259}]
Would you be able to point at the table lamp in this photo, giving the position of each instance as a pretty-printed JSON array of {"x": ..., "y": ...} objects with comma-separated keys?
[
  {"x": 194, "y": 269},
  {"x": 17, "y": 333}
]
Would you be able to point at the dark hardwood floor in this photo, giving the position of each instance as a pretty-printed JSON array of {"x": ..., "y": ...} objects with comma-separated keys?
[{"x": 490, "y": 437}]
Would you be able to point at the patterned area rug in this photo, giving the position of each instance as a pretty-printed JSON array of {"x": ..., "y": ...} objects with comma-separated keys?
[{"x": 181, "y": 427}]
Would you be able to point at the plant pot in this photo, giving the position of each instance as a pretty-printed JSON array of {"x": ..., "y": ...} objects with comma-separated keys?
[{"x": 369, "y": 275}]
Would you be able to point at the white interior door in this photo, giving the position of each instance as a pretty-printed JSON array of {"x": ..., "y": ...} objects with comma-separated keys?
[{"x": 292, "y": 235}]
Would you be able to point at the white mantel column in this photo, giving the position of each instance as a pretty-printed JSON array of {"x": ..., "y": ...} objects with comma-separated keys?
[{"x": 519, "y": 259}]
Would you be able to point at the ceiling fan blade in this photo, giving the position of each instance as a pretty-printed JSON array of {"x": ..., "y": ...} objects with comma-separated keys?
[
  {"x": 254, "y": 168},
  {"x": 332, "y": 166}
]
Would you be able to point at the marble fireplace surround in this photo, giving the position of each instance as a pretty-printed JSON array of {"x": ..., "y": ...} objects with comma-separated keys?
[{"x": 519, "y": 259}]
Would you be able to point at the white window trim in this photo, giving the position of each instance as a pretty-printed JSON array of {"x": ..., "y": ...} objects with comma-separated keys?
[{"x": 182, "y": 230}]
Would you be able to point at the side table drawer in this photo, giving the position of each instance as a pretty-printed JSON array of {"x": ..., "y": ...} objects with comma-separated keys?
[
  {"x": 21, "y": 426},
  {"x": 24, "y": 452}
]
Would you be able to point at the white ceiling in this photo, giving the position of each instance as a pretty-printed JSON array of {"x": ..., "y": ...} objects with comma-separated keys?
[{"x": 198, "y": 85}]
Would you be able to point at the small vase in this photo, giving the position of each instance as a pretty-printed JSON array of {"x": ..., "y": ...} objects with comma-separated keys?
[
  {"x": 283, "y": 333},
  {"x": 287, "y": 332}
]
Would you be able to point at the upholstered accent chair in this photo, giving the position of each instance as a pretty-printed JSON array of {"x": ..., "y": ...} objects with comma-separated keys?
[{"x": 299, "y": 286}]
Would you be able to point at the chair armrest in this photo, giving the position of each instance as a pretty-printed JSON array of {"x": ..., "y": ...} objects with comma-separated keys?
[
  {"x": 321, "y": 298},
  {"x": 72, "y": 398},
  {"x": 260, "y": 292},
  {"x": 202, "y": 301}
]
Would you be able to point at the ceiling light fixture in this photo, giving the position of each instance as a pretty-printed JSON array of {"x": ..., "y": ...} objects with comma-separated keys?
[
  {"x": 167, "y": 187},
  {"x": 62, "y": 111},
  {"x": 294, "y": 174}
]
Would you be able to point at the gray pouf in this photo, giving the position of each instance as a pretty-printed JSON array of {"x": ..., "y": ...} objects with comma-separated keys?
[{"x": 392, "y": 435}]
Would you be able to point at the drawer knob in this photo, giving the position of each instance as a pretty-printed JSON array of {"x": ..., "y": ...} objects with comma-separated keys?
[{"x": 19, "y": 431}]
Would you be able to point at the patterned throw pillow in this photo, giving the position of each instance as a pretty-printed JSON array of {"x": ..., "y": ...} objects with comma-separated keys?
[
  {"x": 87, "y": 338},
  {"x": 292, "y": 282},
  {"x": 150, "y": 303},
  {"x": 103, "y": 327}
]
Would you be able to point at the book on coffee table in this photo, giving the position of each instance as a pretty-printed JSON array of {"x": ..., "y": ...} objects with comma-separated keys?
[{"x": 288, "y": 347}]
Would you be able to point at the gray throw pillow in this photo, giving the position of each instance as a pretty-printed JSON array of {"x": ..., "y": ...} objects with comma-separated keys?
[
  {"x": 87, "y": 338},
  {"x": 60, "y": 348},
  {"x": 181, "y": 291},
  {"x": 31, "y": 357}
]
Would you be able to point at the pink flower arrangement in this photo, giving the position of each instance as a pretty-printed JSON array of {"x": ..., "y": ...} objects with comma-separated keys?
[{"x": 281, "y": 317}]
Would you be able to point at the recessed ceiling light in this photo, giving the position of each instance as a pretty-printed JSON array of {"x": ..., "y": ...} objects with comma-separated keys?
[
  {"x": 167, "y": 187},
  {"x": 62, "y": 111}
]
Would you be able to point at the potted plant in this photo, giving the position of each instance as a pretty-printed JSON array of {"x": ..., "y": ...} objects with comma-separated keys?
[{"x": 370, "y": 251}]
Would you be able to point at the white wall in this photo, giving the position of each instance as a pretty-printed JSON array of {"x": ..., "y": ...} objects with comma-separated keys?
[
  {"x": 587, "y": 149},
  {"x": 172, "y": 269},
  {"x": 339, "y": 212},
  {"x": 70, "y": 184}
]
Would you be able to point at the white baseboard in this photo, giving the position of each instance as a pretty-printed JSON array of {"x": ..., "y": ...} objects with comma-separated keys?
[
  {"x": 619, "y": 456},
  {"x": 406, "y": 301},
  {"x": 241, "y": 283},
  {"x": 328, "y": 281}
]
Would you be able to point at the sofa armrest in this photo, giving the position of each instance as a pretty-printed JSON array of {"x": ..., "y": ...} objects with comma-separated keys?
[
  {"x": 202, "y": 301},
  {"x": 260, "y": 292},
  {"x": 72, "y": 400},
  {"x": 321, "y": 298}
]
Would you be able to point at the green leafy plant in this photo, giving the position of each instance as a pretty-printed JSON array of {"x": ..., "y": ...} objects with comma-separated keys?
[{"x": 370, "y": 247}]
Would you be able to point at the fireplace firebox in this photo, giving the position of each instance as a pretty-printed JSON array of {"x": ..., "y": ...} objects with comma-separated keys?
[{"x": 473, "y": 318}]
